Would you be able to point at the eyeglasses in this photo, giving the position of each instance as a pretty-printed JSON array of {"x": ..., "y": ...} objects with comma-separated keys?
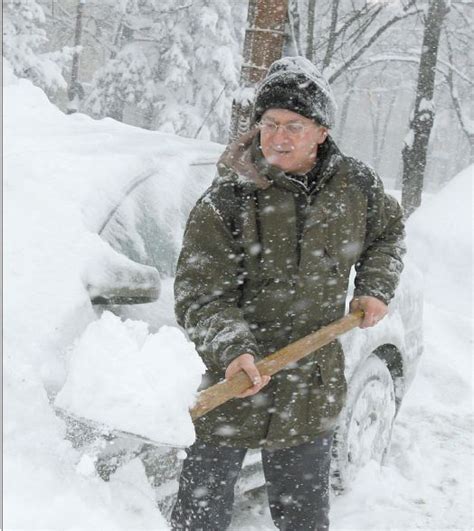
[{"x": 292, "y": 128}]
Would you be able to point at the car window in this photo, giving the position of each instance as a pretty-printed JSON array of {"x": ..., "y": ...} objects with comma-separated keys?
[{"x": 147, "y": 224}]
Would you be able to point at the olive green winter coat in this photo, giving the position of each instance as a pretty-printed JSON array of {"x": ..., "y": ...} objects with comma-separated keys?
[{"x": 265, "y": 263}]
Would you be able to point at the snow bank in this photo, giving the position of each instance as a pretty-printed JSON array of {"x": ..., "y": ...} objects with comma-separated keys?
[
  {"x": 439, "y": 236},
  {"x": 59, "y": 173},
  {"x": 125, "y": 378}
]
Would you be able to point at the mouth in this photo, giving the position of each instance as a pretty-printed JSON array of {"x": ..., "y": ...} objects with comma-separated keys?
[{"x": 282, "y": 151}]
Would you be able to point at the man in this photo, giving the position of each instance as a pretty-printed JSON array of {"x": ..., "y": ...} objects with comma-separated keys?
[{"x": 265, "y": 261}]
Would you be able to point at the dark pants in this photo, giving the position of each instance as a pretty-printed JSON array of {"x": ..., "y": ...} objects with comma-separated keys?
[{"x": 297, "y": 481}]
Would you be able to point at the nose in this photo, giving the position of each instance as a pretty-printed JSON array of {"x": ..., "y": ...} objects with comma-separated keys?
[
  {"x": 281, "y": 133},
  {"x": 281, "y": 139}
]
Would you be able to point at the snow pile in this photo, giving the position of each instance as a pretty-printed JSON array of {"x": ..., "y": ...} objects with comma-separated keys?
[{"x": 123, "y": 377}]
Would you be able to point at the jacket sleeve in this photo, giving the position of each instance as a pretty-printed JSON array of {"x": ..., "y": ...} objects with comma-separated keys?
[
  {"x": 380, "y": 263},
  {"x": 207, "y": 289}
]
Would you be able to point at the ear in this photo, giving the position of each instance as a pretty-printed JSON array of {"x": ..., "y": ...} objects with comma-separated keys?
[{"x": 322, "y": 135}]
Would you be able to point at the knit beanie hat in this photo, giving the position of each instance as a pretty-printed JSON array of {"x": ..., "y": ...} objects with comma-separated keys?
[{"x": 295, "y": 84}]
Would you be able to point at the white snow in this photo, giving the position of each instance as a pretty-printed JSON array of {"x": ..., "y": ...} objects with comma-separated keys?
[
  {"x": 58, "y": 171},
  {"x": 125, "y": 378},
  {"x": 409, "y": 138},
  {"x": 426, "y": 105}
]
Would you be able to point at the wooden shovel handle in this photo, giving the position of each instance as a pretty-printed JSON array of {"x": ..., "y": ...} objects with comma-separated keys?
[{"x": 223, "y": 391}]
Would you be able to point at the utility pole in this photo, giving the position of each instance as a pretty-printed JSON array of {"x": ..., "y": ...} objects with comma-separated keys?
[
  {"x": 263, "y": 44},
  {"x": 75, "y": 90}
]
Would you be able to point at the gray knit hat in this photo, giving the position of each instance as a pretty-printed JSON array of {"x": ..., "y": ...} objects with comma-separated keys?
[{"x": 294, "y": 83}]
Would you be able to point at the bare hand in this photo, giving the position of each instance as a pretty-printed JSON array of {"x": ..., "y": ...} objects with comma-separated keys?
[
  {"x": 245, "y": 362},
  {"x": 374, "y": 310}
]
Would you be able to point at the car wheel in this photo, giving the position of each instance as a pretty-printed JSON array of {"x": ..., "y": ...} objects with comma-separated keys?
[{"x": 365, "y": 424}]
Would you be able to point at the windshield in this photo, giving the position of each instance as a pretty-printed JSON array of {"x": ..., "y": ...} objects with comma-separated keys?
[{"x": 148, "y": 222}]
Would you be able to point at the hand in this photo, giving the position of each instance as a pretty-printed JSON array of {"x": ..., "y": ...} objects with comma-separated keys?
[
  {"x": 245, "y": 362},
  {"x": 374, "y": 310}
]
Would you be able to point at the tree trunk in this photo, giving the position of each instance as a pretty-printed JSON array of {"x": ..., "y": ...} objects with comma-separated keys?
[
  {"x": 351, "y": 82},
  {"x": 332, "y": 34},
  {"x": 310, "y": 34},
  {"x": 383, "y": 133},
  {"x": 292, "y": 42},
  {"x": 264, "y": 39},
  {"x": 75, "y": 91},
  {"x": 414, "y": 152}
]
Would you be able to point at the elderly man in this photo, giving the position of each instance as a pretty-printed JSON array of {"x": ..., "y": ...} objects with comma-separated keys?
[{"x": 265, "y": 261}]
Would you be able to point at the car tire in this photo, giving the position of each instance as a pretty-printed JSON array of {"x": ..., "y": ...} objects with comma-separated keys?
[{"x": 365, "y": 424}]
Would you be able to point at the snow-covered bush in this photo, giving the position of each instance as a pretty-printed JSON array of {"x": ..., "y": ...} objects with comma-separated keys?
[
  {"x": 176, "y": 67},
  {"x": 23, "y": 41},
  {"x": 126, "y": 79}
]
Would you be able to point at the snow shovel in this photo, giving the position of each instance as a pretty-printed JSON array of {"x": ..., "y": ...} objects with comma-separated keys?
[{"x": 223, "y": 391}]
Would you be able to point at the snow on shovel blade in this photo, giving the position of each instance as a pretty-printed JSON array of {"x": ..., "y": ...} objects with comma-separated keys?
[{"x": 124, "y": 380}]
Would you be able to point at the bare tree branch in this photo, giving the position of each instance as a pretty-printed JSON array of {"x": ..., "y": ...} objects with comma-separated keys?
[
  {"x": 359, "y": 31},
  {"x": 456, "y": 103},
  {"x": 365, "y": 25},
  {"x": 357, "y": 14},
  {"x": 411, "y": 59},
  {"x": 466, "y": 21},
  {"x": 369, "y": 43}
]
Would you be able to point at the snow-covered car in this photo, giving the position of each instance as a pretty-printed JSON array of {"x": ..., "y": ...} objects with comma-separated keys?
[{"x": 146, "y": 226}]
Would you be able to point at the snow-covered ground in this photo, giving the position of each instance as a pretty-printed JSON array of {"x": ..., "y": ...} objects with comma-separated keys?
[{"x": 54, "y": 166}]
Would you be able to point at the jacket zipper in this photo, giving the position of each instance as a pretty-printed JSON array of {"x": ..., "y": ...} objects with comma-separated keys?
[{"x": 301, "y": 214}]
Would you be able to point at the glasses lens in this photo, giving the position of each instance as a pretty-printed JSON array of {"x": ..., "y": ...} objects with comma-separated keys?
[
  {"x": 268, "y": 127},
  {"x": 294, "y": 128}
]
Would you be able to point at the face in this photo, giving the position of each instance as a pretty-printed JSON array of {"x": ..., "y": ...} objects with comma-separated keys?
[{"x": 293, "y": 148}]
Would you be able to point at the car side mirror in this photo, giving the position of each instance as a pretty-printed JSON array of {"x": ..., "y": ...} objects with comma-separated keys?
[{"x": 112, "y": 278}]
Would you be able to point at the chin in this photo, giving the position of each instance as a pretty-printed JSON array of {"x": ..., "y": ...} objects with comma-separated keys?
[{"x": 275, "y": 160}]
